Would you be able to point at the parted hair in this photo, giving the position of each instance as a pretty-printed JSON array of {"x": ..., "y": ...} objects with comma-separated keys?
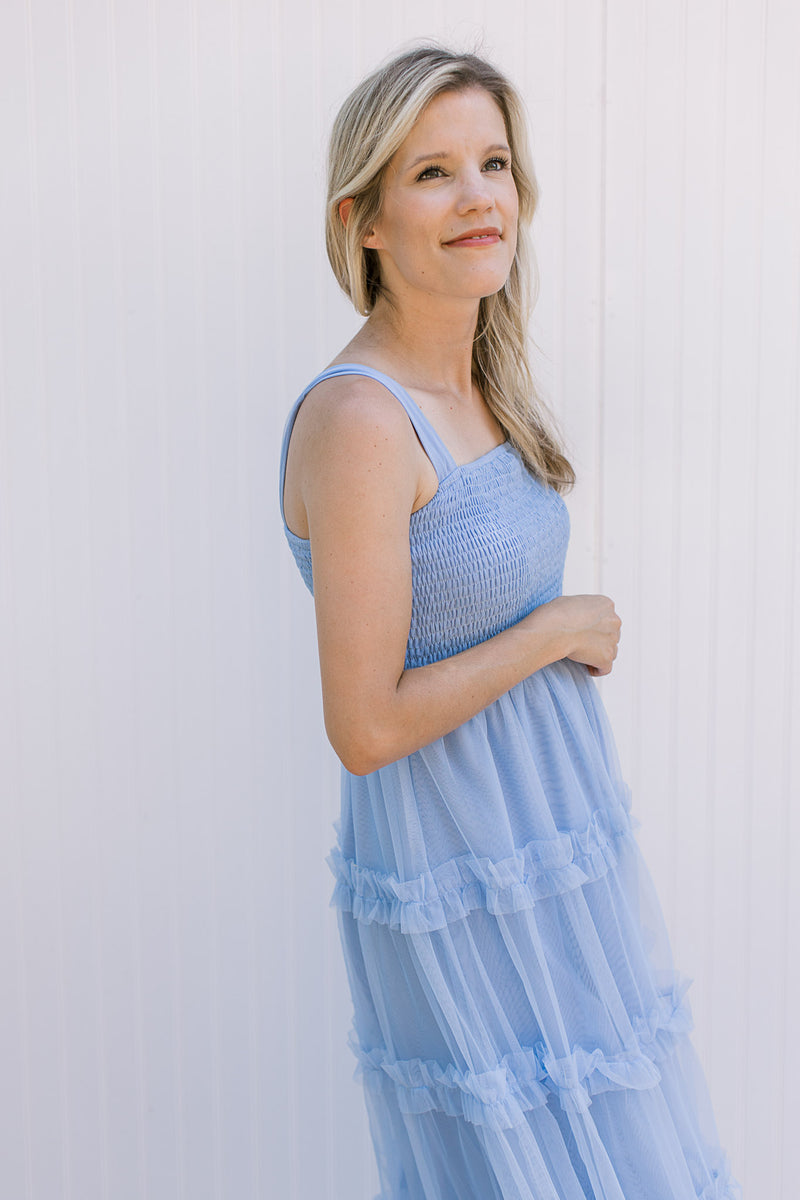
[{"x": 369, "y": 129}]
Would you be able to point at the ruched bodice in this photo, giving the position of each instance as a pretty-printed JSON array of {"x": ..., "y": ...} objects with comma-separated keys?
[{"x": 486, "y": 550}]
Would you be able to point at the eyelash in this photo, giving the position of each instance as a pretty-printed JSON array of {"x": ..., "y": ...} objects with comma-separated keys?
[
  {"x": 496, "y": 158},
  {"x": 501, "y": 158}
]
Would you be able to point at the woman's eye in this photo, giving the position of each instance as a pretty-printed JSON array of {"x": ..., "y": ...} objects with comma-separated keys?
[
  {"x": 430, "y": 173},
  {"x": 498, "y": 163}
]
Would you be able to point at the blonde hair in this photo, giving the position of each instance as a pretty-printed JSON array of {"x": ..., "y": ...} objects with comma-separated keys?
[{"x": 370, "y": 127}]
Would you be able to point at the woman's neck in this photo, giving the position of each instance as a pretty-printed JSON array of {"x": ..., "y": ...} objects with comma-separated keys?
[{"x": 429, "y": 347}]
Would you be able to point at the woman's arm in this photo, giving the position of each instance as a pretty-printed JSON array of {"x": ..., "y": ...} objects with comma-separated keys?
[{"x": 358, "y": 468}]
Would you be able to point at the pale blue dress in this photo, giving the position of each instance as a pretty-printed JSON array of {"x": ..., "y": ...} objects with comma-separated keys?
[{"x": 520, "y": 1030}]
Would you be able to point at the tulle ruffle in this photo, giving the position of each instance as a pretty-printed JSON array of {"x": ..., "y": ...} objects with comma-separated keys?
[
  {"x": 526, "y": 1079},
  {"x": 542, "y": 868}
]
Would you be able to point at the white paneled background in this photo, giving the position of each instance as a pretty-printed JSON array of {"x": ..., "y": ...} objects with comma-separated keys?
[{"x": 173, "y": 1009}]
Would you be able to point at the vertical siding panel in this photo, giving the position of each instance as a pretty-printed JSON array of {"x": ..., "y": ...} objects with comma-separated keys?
[
  {"x": 696, "y": 489},
  {"x": 16, "y": 1123},
  {"x": 579, "y": 399},
  {"x": 16, "y": 1134},
  {"x": 600, "y": 442},
  {"x": 41, "y": 726},
  {"x": 117, "y": 627},
  {"x": 153, "y": 548},
  {"x": 88, "y": 1161},
  {"x": 658, "y": 406},
  {"x": 280, "y": 1016},
  {"x": 242, "y": 1067},
  {"x": 786, "y": 1099},
  {"x": 73, "y": 790},
  {"x": 17, "y": 438},
  {"x": 624, "y": 178},
  {"x": 735, "y": 566},
  {"x": 175, "y": 1062},
  {"x": 540, "y": 84},
  {"x": 725, "y": 1112},
  {"x": 768, "y": 1051},
  {"x": 718, "y": 1051},
  {"x": 262, "y": 214},
  {"x": 759, "y": 938},
  {"x": 230, "y": 814},
  {"x": 95, "y": 222},
  {"x": 193, "y": 497},
  {"x": 559, "y": 215},
  {"x": 16, "y": 1113},
  {"x": 674, "y": 582},
  {"x": 15, "y": 1109}
]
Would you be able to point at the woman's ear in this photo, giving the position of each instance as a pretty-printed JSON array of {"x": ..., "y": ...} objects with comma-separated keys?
[{"x": 371, "y": 240}]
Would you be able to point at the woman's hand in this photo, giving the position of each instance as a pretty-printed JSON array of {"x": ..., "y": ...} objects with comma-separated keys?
[{"x": 590, "y": 626}]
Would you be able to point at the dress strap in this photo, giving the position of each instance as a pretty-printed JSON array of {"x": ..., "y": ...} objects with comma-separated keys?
[{"x": 432, "y": 444}]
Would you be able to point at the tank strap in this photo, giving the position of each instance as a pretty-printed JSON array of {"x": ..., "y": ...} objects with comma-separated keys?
[{"x": 432, "y": 444}]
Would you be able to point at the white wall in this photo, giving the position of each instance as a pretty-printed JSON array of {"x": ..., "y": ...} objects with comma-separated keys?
[{"x": 172, "y": 1002}]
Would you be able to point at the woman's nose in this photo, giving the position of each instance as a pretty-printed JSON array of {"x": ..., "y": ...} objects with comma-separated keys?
[{"x": 475, "y": 193}]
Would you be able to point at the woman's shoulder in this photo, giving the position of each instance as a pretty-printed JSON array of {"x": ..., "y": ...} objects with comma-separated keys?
[
  {"x": 351, "y": 445},
  {"x": 351, "y": 405}
]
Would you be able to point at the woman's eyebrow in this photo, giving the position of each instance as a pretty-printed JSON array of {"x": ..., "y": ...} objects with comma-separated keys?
[
  {"x": 445, "y": 154},
  {"x": 423, "y": 157}
]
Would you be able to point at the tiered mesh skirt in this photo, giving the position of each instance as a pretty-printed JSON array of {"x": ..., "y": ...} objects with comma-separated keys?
[{"x": 519, "y": 1027}]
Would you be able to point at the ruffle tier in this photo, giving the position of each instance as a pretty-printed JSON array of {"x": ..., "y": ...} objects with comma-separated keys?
[
  {"x": 542, "y": 868},
  {"x": 528, "y": 1078},
  {"x": 636, "y": 1143}
]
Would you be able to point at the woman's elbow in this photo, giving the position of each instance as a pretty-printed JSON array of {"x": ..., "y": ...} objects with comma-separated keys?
[
  {"x": 360, "y": 747},
  {"x": 358, "y": 766}
]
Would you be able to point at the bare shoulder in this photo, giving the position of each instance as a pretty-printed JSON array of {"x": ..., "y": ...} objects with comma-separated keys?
[
  {"x": 352, "y": 444},
  {"x": 352, "y": 409}
]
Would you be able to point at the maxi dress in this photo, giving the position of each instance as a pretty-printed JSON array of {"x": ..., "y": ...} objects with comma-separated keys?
[{"x": 519, "y": 1027}]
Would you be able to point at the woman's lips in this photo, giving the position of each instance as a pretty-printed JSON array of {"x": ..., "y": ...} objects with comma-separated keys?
[{"x": 476, "y": 237}]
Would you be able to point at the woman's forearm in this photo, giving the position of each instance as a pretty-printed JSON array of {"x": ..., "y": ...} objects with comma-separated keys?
[{"x": 430, "y": 701}]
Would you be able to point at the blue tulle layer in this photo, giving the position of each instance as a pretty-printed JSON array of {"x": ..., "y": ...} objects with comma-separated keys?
[
  {"x": 456, "y": 887},
  {"x": 528, "y": 1078},
  {"x": 520, "y": 1030}
]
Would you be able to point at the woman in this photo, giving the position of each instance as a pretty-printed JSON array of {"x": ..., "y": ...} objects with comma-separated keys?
[{"x": 520, "y": 1029}]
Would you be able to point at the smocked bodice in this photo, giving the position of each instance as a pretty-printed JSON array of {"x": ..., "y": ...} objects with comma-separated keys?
[{"x": 487, "y": 549}]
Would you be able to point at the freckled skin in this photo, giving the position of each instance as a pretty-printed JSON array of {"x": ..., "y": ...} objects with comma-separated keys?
[{"x": 429, "y": 199}]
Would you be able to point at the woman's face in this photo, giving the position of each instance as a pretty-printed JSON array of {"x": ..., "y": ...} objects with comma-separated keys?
[{"x": 448, "y": 223}]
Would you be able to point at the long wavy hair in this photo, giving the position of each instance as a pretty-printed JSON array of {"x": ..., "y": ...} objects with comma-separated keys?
[{"x": 369, "y": 129}]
